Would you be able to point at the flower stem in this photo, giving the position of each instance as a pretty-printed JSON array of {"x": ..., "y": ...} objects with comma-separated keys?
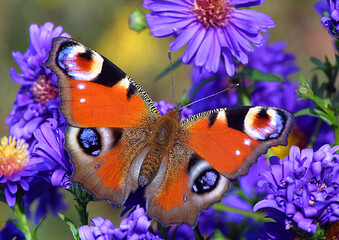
[
  {"x": 82, "y": 212},
  {"x": 336, "y": 135},
  {"x": 257, "y": 216},
  {"x": 19, "y": 212},
  {"x": 82, "y": 198}
]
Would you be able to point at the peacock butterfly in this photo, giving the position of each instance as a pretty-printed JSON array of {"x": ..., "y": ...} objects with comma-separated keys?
[{"x": 119, "y": 142}]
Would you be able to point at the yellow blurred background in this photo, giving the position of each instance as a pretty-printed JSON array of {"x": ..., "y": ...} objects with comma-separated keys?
[{"x": 103, "y": 26}]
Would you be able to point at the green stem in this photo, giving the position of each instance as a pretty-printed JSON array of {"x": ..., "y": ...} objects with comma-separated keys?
[
  {"x": 19, "y": 212},
  {"x": 257, "y": 216},
  {"x": 244, "y": 99},
  {"x": 197, "y": 233},
  {"x": 82, "y": 212}
]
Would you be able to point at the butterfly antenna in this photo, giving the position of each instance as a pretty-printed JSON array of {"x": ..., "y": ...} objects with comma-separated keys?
[
  {"x": 201, "y": 99},
  {"x": 170, "y": 67}
]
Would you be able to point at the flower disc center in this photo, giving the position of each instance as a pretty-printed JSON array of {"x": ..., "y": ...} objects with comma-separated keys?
[
  {"x": 43, "y": 91},
  {"x": 212, "y": 13},
  {"x": 13, "y": 156}
]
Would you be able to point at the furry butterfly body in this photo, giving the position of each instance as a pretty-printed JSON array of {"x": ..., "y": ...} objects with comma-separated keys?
[{"x": 119, "y": 142}]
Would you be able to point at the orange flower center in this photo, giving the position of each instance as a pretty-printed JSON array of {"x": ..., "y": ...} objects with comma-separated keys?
[
  {"x": 212, "y": 13},
  {"x": 43, "y": 90},
  {"x": 13, "y": 156}
]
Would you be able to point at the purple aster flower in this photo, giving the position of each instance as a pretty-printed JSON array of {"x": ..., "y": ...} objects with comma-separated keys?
[
  {"x": 329, "y": 10},
  {"x": 37, "y": 98},
  {"x": 11, "y": 231},
  {"x": 135, "y": 227},
  {"x": 270, "y": 58},
  {"x": 212, "y": 29},
  {"x": 304, "y": 187},
  {"x": 50, "y": 147},
  {"x": 17, "y": 167}
]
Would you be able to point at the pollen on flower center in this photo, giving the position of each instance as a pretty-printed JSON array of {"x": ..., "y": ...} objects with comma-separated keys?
[
  {"x": 212, "y": 13},
  {"x": 43, "y": 90},
  {"x": 13, "y": 156}
]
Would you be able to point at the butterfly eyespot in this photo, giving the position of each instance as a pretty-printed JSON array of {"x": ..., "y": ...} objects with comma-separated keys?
[
  {"x": 90, "y": 141},
  {"x": 206, "y": 181}
]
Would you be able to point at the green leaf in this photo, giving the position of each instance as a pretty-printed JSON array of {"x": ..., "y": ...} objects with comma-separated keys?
[
  {"x": 257, "y": 75},
  {"x": 175, "y": 65},
  {"x": 314, "y": 112},
  {"x": 35, "y": 230},
  {"x": 72, "y": 226},
  {"x": 318, "y": 63}
]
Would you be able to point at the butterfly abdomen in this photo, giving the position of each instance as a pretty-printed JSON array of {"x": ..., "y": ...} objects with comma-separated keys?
[{"x": 164, "y": 131}]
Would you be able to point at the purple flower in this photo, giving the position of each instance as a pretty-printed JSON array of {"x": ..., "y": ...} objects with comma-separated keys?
[
  {"x": 50, "y": 147},
  {"x": 134, "y": 227},
  {"x": 11, "y": 231},
  {"x": 270, "y": 58},
  {"x": 212, "y": 29},
  {"x": 163, "y": 107},
  {"x": 304, "y": 187},
  {"x": 329, "y": 10},
  {"x": 17, "y": 167},
  {"x": 37, "y": 98}
]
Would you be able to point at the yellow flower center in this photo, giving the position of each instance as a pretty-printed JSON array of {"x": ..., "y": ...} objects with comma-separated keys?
[
  {"x": 212, "y": 13},
  {"x": 13, "y": 156},
  {"x": 296, "y": 137}
]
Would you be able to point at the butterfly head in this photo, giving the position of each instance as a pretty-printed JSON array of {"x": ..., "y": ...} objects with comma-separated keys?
[{"x": 175, "y": 113}]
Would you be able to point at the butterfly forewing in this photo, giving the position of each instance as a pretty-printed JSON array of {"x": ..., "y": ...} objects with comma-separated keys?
[
  {"x": 95, "y": 92},
  {"x": 231, "y": 139}
]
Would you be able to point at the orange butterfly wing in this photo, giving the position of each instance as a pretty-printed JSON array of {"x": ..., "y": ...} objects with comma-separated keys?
[
  {"x": 231, "y": 139},
  {"x": 109, "y": 118},
  {"x": 94, "y": 91}
]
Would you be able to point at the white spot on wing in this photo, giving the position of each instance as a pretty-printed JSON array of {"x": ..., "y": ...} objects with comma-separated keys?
[
  {"x": 124, "y": 83},
  {"x": 81, "y": 86},
  {"x": 82, "y": 100},
  {"x": 247, "y": 142},
  {"x": 237, "y": 152},
  {"x": 221, "y": 116}
]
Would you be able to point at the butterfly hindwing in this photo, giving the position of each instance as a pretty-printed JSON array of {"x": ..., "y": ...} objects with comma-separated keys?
[
  {"x": 231, "y": 139},
  {"x": 185, "y": 185},
  {"x": 109, "y": 118}
]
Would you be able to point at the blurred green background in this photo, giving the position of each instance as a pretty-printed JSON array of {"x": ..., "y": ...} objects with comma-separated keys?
[{"x": 103, "y": 25}]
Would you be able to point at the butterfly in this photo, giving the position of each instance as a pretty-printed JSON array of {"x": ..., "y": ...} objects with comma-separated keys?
[{"x": 119, "y": 143}]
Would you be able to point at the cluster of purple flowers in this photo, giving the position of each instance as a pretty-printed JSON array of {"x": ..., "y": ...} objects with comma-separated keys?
[
  {"x": 222, "y": 36},
  {"x": 37, "y": 100},
  {"x": 302, "y": 190},
  {"x": 134, "y": 227}
]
